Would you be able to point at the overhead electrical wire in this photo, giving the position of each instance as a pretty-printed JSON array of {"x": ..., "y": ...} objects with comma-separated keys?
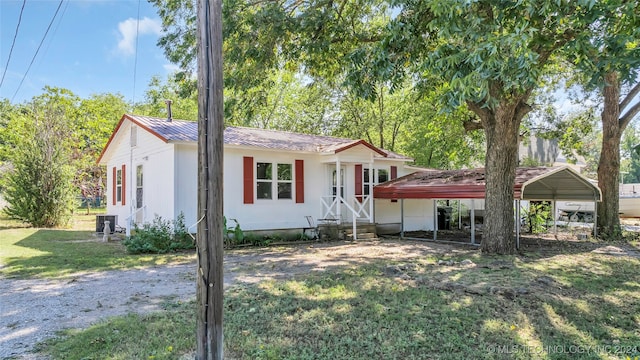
[
  {"x": 55, "y": 31},
  {"x": 37, "y": 50},
  {"x": 24, "y": 2},
  {"x": 135, "y": 58}
]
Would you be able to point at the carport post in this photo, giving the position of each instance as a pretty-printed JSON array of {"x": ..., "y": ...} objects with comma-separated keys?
[
  {"x": 595, "y": 217},
  {"x": 517, "y": 224},
  {"x": 554, "y": 211},
  {"x": 472, "y": 215},
  {"x": 402, "y": 218},
  {"x": 339, "y": 194},
  {"x": 371, "y": 181},
  {"x": 435, "y": 219},
  {"x": 459, "y": 214}
]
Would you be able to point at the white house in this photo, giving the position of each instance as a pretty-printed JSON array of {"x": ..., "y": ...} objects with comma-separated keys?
[{"x": 273, "y": 180}]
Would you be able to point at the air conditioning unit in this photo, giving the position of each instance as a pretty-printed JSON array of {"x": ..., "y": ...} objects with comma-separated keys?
[{"x": 100, "y": 219}]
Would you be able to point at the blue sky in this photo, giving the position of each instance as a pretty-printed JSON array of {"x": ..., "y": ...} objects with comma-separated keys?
[{"x": 90, "y": 47}]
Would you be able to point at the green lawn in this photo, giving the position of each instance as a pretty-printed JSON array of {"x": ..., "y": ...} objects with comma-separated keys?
[
  {"x": 569, "y": 303},
  {"x": 561, "y": 302},
  {"x": 28, "y": 252}
]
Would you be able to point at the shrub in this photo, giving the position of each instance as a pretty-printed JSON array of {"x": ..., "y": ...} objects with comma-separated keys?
[
  {"x": 160, "y": 236},
  {"x": 233, "y": 235}
]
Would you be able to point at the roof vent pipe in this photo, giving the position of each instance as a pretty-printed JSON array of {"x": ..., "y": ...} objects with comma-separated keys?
[{"x": 169, "y": 115}]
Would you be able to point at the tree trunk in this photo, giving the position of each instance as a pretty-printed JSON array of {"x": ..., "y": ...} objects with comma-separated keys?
[
  {"x": 609, "y": 165},
  {"x": 502, "y": 130},
  {"x": 209, "y": 296}
]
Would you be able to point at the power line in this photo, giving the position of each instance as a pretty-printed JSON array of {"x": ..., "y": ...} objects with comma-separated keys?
[
  {"x": 135, "y": 58},
  {"x": 37, "y": 50},
  {"x": 55, "y": 31},
  {"x": 24, "y": 2}
]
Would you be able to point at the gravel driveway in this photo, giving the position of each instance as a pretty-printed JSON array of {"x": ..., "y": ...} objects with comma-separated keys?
[{"x": 34, "y": 310}]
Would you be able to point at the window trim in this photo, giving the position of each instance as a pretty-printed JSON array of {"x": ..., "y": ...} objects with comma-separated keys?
[
  {"x": 284, "y": 181},
  {"x": 139, "y": 186},
  {"x": 118, "y": 183},
  {"x": 373, "y": 180},
  {"x": 275, "y": 180}
]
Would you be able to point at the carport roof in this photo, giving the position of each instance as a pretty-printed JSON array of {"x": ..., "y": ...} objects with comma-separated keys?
[{"x": 532, "y": 183}]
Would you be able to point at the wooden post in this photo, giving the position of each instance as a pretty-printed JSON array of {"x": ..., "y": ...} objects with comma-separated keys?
[
  {"x": 472, "y": 215},
  {"x": 210, "y": 154}
]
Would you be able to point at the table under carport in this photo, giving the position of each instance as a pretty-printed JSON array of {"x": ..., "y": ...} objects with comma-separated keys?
[{"x": 531, "y": 183}]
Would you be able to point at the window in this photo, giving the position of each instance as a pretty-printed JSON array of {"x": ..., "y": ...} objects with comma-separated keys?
[
  {"x": 139, "y": 187},
  {"x": 335, "y": 182},
  {"x": 383, "y": 176},
  {"x": 119, "y": 185},
  {"x": 366, "y": 181},
  {"x": 285, "y": 181},
  {"x": 264, "y": 180},
  {"x": 380, "y": 176},
  {"x": 269, "y": 181}
]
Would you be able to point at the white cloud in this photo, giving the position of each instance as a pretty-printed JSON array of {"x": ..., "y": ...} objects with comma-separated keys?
[
  {"x": 171, "y": 68},
  {"x": 129, "y": 28}
]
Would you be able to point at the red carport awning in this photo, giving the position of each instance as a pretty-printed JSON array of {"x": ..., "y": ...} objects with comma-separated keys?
[{"x": 532, "y": 183}]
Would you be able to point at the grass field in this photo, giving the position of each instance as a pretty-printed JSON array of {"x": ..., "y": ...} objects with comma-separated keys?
[
  {"x": 51, "y": 253},
  {"x": 558, "y": 302},
  {"x": 578, "y": 306}
]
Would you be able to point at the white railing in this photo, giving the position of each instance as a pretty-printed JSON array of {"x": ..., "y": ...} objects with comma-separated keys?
[
  {"x": 359, "y": 210},
  {"x": 330, "y": 207},
  {"x": 129, "y": 220}
]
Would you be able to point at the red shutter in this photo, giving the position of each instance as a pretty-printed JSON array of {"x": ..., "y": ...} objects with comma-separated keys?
[
  {"x": 124, "y": 184},
  {"x": 299, "y": 181},
  {"x": 247, "y": 179},
  {"x": 114, "y": 181},
  {"x": 358, "y": 182}
]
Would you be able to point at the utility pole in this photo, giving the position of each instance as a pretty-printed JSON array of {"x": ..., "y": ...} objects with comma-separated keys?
[{"x": 210, "y": 154}]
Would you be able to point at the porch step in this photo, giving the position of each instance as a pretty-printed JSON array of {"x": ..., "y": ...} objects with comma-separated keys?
[
  {"x": 363, "y": 236},
  {"x": 360, "y": 228}
]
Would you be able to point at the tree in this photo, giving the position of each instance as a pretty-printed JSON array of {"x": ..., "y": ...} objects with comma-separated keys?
[
  {"x": 379, "y": 121},
  {"x": 630, "y": 153},
  {"x": 95, "y": 119},
  {"x": 492, "y": 56},
  {"x": 411, "y": 122},
  {"x": 608, "y": 54},
  {"x": 614, "y": 122},
  {"x": 39, "y": 189},
  {"x": 489, "y": 54},
  {"x": 184, "y": 102}
]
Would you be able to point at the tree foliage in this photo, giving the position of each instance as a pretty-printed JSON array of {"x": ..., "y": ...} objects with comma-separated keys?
[
  {"x": 630, "y": 153},
  {"x": 184, "y": 104},
  {"x": 489, "y": 55},
  {"x": 80, "y": 127},
  {"x": 39, "y": 188}
]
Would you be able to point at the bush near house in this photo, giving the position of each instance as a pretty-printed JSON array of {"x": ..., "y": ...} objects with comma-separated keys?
[{"x": 160, "y": 236}]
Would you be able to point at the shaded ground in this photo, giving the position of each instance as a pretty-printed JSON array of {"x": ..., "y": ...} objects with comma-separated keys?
[{"x": 33, "y": 310}]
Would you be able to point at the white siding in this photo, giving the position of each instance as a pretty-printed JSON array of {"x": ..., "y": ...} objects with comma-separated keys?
[
  {"x": 418, "y": 213},
  {"x": 156, "y": 158},
  {"x": 170, "y": 184},
  {"x": 186, "y": 179},
  {"x": 275, "y": 213}
]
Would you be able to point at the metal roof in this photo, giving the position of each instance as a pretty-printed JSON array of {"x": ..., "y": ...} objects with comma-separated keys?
[
  {"x": 531, "y": 183},
  {"x": 187, "y": 131}
]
